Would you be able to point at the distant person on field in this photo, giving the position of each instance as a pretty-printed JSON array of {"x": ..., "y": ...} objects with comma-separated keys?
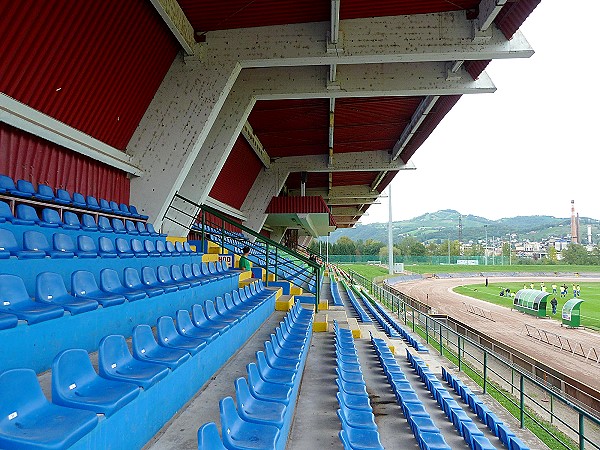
[
  {"x": 531, "y": 286},
  {"x": 554, "y": 288},
  {"x": 578, "y": 291},
  {"x": 244, "y": 263},
  {"x": 574, "y": 290},
  {"x": 554, "y": 303}
]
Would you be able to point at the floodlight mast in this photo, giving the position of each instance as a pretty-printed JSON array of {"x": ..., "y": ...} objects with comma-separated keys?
[{"x": 390, "y": 234}]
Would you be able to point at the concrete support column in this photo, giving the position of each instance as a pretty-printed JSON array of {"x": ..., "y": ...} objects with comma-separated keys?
[
  {"x": 174, "y": 128},
  {"x": 277, "y": 234}
]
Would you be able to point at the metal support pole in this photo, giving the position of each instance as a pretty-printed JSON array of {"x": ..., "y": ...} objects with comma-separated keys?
[
  {"x": 413, "y": 320},
  {"x": 484, "y": 372},
  {"x": 512, "y": 379},
  {"x": 267, "y": 264},
  {"x": 551, "y": 408},
  {"x": 204, "y": 240},
  {"x": 522, "y": 402},
  {"x": 317, "y": 288},
  {"x": 222, "y": 235},
  {"x": 441, "y": 340},
  {"x": 390, "y": 235},
  {"x": 276, "y": 260},
  {"x": 459, "y": 356},
  {"x": 427, "y": 329},
  {"x": 581, "y": 433}
]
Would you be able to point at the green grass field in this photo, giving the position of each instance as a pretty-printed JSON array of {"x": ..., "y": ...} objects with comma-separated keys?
[
  {"x": 366, "y": 270},
  {"x": 590, "y": 293},
  {"x": 456, "y": 268}
]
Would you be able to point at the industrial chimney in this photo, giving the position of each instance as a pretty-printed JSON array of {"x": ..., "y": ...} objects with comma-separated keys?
[{"x": 574, "y": 230}]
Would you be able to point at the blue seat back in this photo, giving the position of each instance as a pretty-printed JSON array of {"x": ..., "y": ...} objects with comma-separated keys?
[
  {"x": 187, "y": 271},
  {"x": 104, "y": 224},
  {"x": 187, "y": 247},
  {"x": 78, "y": 199},
  {"x": 130, "y": 227},
  {"x": 49, "y": 286},
  {"x": 91, "y": 202},
  {"x": 208, "y": 437},
  {"x": 141, "y": 227},
  {"x": 171, "y": 247},
  {"x": 165, "y": 328},
  {"x": 45, "y": 191},
  {"x": 149, "y": 246},
  {"x": 63, "y": 196},
  {"x": 163, "y": 275},
  {"x": 143, "y": 340},
  {"x": 184, "y": 321},
  {"x": 71, "y": 219},
  {"x": 27, "y": 212},
  {"x": 118, "y": 226},
  {"x": 20, "y": 393},
  {"x": 160, "y": 247},
  {"x": 149, "y": 276},
  {"x": 70, "y": 369},
  {"x": 210, "y": 311},
  {"x": 34, "y": 240},
  {"x": 124, "y": 209},
  {"x": 63, "y": 242},
  {"x": 104, "y": 205},
  {"x": 179, "y": 247},
  {"x": 12, "y": 291},
  {"x": 151, "y": 229},
  {"x": 26, "y": 187},
  {"x": 137, "y": 246},
  {"x": 176, "y": 273},
  {"x": 123, "y": 246},
  {"x": 113, "y": 353},
  {"x": 5, "y": 212},
  {"x": 83, "y": 282},
  {"x": 8, "y": 241},
  {"x": 88, "y": 221},
  {"x": 109, "y": 280},
  {"x": 131, "y": 278},
  {"x": 196, "y": 270},
  {"x": 106, "y": 245},
  {"x": 6, "y": 184}
]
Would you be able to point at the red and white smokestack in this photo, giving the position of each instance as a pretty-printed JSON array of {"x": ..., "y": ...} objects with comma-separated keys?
[{"x": 574, "y": 232}]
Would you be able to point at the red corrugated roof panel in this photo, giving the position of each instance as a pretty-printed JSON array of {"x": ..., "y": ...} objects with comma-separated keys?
[
  {"x": 513, "y": 14},
  {"x": 237, "y": 175},
  {"x": 93, "y": 65},
  {"x": 475, "y": 68}
]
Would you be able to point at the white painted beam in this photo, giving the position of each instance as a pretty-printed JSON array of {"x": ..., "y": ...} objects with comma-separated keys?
[
  {"x": 414, "y": 38},
  {"x": 256, "y": 145},
  {"x": 333, "y": 202},
  {"x": 39, "y": 124},
  {"x": 345, "y": 211},
  {"x": 334, "y": 33},
  {"x": 488, "y": 11},
  {"x": 415, "y": 122},
  {"x": 178, "y": 23}
]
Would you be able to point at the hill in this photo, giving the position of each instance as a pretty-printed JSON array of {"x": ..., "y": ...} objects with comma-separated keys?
[{"x": 443, "y": 224}]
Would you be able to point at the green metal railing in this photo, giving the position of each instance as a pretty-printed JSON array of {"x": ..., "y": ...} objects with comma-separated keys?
[
  {"x": 557, "y": 420},
  {"x": 266, "y": 250}
]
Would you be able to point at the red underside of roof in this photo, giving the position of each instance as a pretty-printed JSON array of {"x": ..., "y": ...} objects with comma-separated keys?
[
  {"x": 237, "y": 176},
  {"x": 93, "y": 65},
  {"x": 300, "y": 205},
  {"x": 513, "y": 15},
  {"x": 321, "y": 179},
  {"x": 208, "y": 16}
]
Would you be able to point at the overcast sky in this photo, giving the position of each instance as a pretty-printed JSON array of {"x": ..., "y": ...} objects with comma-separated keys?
[{"x": 529, "y": 148}]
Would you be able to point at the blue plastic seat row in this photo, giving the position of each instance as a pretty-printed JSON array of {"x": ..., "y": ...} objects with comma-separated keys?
[
  {"x": 485, "y": 415},
  {"x": 413, "y": 342},
  {"x": 45, "y": 193},
  {"x": 383, "y": 322},
  {"x": 362, "y": 314},
  {"x": 51, "y": 218},
  {"x": 335, "y": 293},
  {"x": 359, "y": 430},
  {"x": 471, "y": 433},
  {"x": 36, "y": 245},
  {"x": 265, "y": 401},
  {"x": 426, "y": 433},
  {"x": 51, "y": 298}
]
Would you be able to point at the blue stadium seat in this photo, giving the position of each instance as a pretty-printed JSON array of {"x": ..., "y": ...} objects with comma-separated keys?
[
  {"x": 163, "y": 275},
  {"x": 124, "y": 210},
  {"x": 239, "y": 434},
  {"x": 357, "y": 419},
  {"x": 505, "y": 434},
  {"x": 152, "y": 231},
  {"x": 364, "y": 439},
  {"x": 179, "y": 249},
  {"x": 433, "y": 441},
  {"x": 76, "y": 384},
  {"x": 150, "y": 280},
  {"x": 162, "y": 248},
  {"x": 104, "y": 225},
  {"x": 70, "y": 221},
  {"x": 514, "y": 443},
  {"x": 131, "y": 280},
  {"x": 83, "y": 285},
  {"x": 6, "y": 214},
  {"x": 257, "y": 411},
  {"x": 131, "y": 228},
  {"x": 8, "y": 321},
  {"x": 88, "y": 223},
  {"x": 277, "y": 376},
  {"x": 44, "y": 193},
  {"x": 117, "y": 226},
  {"x": 138, "y": 249},
  {"x": 63, "y": 197},
  {"x": 213, "y": 316},
  {"x": 86, "y": 247},
  {"x": 197, "y": 272},
  {"x": 106, "y": 248},
  {"x": 30, "y": 421},
  {"x": 178, "y": 277},
  {"x": 141, "y": 229},
  {"x": 169, "y": 337},
  {"x": 114, "y": 206},
  {"x": 145, "y": 348},
  {"x": 36, "y": 241},
  {"x": 7, "y": 185},
  {"x": 116, "y": 363},
  {"x": 90, "y": 202},
  {"x": 123, "y": 248},
  {"x": 171, "y": 249},
  {"x": 24, "y": 189},
  {"x": 276, "y": 362},
  {"x": 79, "y": 201},
  {"x": 263, "y": 390},
  {"x": 110, "y": 282},
  {"x": 208, "y": 437},
  {"x": 200, "y": 320},
  {"x": 150, "y": 248},
  {"x": 189, "y": 276},
  {"x": 26, "y": 215},
  {"x": 105, "y": 206},
  {"x": 185, "y": 327},
  {"x": 135, "y": 213},
  {"x": 9, "y": 247},
  {"x": 14, "y": 299},
  {"x": 64, "y": 244},
  {"x": 50, "y": 289}
]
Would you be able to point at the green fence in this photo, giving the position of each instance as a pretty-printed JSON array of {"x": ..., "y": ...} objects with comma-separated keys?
[
  {"x": 431, "y": 260},
  {"x": 558, "y": 421}
]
